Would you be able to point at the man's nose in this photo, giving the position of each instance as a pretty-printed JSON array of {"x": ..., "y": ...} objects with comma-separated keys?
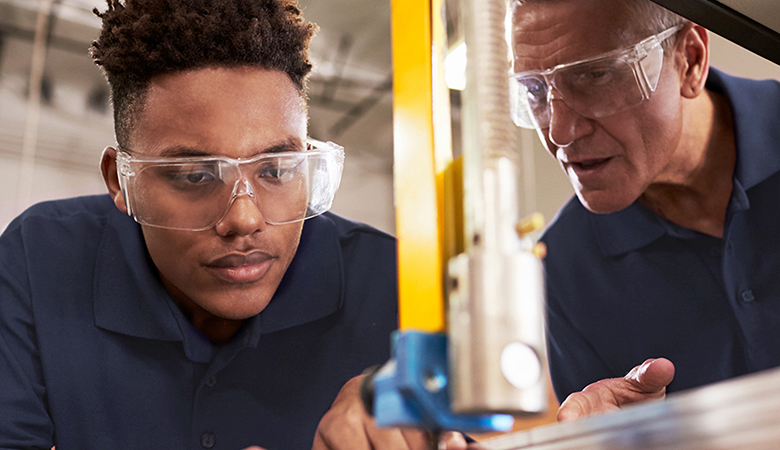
[
  {"x": 566, "y": 124},
  {"x": 243, "y": 216}
]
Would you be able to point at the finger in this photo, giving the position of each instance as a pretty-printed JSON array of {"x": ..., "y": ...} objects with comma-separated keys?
[
  {"x": 596, "y": 398},
  {"x": 319, "y": 443},
  {"x": 570, "y": 409},
  {"x": 397, "y": 439},
  {"x": 369, "y": 436},
  {"x": 452, "y": 440},
  {"x": 341, "y": 439},
  {"x": 419, "y": 439},
  {"x": 343, "y": 427},
  {"x": 652, "y": 376}
]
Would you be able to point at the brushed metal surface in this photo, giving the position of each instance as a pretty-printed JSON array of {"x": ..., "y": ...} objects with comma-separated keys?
[{"x": 743, "y": 413}]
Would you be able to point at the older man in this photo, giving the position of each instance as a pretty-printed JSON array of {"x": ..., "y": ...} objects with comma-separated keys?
[{"x": 667, "y": 249}]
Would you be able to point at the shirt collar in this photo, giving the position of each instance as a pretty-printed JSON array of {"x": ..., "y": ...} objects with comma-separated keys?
[
  {"x": 129, "y": 297},
  {"x": 626, "y": 230},
  {"x": 313, "y": 286},
  {"x": 755, "y": 131}
]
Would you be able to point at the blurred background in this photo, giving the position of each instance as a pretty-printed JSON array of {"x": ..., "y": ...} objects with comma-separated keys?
[{"x": 51, "y": 136}]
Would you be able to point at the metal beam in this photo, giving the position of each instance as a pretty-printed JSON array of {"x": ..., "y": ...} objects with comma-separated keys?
[{"x": 730, "y": 24}]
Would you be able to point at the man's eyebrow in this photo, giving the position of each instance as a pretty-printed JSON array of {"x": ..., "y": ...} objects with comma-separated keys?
[
  {"x": 183, "y": 151},
  {"x": 291, "y": 144}
]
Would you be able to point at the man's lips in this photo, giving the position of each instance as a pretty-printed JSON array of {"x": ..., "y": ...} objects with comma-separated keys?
[
  {"x": 241, "y": 268},
  {"x": 587, "y": 165}
]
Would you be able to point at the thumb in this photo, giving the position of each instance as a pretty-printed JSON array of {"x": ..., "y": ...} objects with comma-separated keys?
[{"x": 651, "y": 377}]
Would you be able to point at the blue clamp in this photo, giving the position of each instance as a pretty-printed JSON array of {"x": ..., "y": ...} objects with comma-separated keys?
[{"x": 411, "y": 389}]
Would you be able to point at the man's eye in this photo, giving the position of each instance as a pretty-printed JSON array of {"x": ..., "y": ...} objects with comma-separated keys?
[
  {"x": 279, "y": 170},
  {"x": 534, "y": 88},
  {"x": 198, "y": 177},
  {"x": 535, "y": 92},
  {"x": 275, "y": 172},
  {"x": 595, "y": 76},
  {"x": 192, "y": 176},
  {"x": 272, "y": 172}
]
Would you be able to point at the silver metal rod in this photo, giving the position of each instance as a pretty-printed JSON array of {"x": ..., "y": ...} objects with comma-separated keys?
[{"x": 496, "y": 294}]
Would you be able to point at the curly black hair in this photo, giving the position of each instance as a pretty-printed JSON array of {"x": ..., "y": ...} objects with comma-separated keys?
[{"x": 144, "y": 38}]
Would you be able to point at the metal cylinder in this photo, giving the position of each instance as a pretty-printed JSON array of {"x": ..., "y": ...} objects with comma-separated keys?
[{"x": 496, "y": 289}]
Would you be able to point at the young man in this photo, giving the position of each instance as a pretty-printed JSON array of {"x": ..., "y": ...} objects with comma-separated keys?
[{"x": 218, "y": 318}]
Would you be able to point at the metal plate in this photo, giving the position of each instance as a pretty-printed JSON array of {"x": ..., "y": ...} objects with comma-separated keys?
[{"x": 743, "y": 413}]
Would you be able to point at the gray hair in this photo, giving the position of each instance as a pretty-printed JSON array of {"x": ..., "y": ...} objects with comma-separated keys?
[{"x": 649, "y": 18}]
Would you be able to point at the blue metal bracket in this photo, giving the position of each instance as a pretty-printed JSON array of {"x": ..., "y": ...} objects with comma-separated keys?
[{"x": 411, "y": 390}]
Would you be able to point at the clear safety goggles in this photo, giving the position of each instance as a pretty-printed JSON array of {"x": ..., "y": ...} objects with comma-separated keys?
[
  {"x": 195, "y": 193},
  {"x": 595, "y": 87}
]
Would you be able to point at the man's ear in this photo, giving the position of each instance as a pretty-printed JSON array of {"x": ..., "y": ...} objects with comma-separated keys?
[
  {"x": 111, "y": 177},
  {"x": 692, "y": 53}
]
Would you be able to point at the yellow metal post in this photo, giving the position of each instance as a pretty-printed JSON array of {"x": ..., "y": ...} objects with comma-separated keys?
[{"x": 421, "y": 176}]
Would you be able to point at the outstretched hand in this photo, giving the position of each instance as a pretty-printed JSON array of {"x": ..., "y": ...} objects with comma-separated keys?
[{"x": 646, "y": 381}]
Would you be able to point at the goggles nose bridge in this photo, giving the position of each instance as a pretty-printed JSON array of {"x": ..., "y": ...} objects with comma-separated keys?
[
  {"x": 242, "y": 187},
  {"x": 553, "y": 93}
]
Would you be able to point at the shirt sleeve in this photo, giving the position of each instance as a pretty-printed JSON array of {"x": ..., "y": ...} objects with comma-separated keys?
[{"x": 24, "y": 419}]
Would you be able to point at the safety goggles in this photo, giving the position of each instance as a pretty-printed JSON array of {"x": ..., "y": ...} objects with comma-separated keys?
[
  {"x": 595, "y": 87},
  {"x": 195, "y": 193}
]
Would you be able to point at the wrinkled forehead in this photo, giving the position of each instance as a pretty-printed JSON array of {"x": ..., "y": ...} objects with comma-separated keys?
[{"x": 546, "y": 33}]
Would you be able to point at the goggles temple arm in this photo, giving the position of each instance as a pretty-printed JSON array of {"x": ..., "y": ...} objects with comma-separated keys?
[{"x": 123, "y": 173}]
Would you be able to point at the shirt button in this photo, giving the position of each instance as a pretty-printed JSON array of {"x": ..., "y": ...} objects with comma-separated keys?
[
  {"x": 207, "y": 440},
  {"x": 211, "y": 382},
  {"x": 747, "y": 296}
]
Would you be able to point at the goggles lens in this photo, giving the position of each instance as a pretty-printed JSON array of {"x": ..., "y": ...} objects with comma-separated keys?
[
  {"x": 595, "y": 87},
  {"x": 195, "y": 193}
]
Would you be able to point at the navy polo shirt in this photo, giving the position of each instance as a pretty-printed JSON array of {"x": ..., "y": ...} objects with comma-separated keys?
[
  {"x": 630, "y": 285},
  {"x": 94, "y": 353}
]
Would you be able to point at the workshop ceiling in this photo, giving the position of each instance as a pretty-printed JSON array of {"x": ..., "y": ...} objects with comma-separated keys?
[{"x": 350, "y": 88}]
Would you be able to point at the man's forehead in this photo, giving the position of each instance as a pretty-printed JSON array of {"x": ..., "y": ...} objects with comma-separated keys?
[
  {"x": 548, "y": 33},
  {"x": 235, "y": 112}
]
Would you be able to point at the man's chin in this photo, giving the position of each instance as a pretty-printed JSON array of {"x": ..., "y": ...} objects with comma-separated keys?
[
  {"x": 603, "y": 203},
  {"x": 235, "y": 309}
]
